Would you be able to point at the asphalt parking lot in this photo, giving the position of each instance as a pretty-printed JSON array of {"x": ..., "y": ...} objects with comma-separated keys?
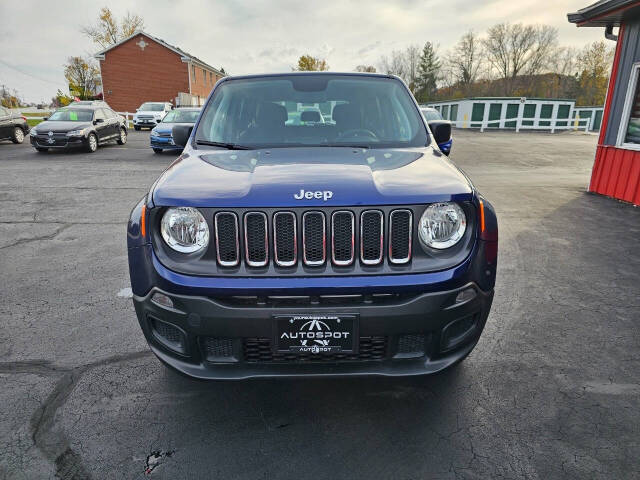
[{"x": 551, "y": 391}]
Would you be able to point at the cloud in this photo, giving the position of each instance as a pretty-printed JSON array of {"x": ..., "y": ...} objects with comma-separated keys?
[{"x": 261, "y": 35}]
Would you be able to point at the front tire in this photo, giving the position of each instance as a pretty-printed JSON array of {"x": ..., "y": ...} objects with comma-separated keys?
[
  {"x": 18, "y": 135},
  {"x": 123, "y": 137},
  {"x": 92, "y": 143},
  {"x": 157, "y": 150}
]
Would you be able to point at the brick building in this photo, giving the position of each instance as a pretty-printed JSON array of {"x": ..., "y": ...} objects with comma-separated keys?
[{"x": 143, "y": 68}]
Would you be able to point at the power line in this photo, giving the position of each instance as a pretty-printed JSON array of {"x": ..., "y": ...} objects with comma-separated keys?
[{"x": 30, "y": 74}]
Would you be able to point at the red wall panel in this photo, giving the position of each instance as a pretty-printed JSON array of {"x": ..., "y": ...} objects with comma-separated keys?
[{"x": 616, "y": 173}]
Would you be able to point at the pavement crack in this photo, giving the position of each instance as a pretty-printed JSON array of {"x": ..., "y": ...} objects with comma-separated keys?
[
  {"x": 38, "y": 238},
  {"x": 52, "y": 442},
  {"x": 37, "y": 367}
]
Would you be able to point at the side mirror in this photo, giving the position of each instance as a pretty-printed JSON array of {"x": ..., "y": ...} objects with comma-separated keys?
[
  {"x": 181, "y": 134},
  {"x": 44, "y": 119},
  {"x": 98, "y": 120},
  {"x": 441, "y": 130},
  {"x": 158, "y": 120}
]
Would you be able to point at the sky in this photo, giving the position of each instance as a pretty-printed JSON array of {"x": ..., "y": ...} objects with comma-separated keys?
[{"x": 260, "y": 35}]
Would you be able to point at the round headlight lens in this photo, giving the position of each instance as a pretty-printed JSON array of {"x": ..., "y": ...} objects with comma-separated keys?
[
  {"x": 442, "y": 225},
  {"x": 184, "y": 229}
]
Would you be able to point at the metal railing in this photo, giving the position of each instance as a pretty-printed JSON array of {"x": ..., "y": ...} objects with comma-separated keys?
[{"x": 537, "y": 123}]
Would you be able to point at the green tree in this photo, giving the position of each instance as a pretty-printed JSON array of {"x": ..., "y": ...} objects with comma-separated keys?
[
  {"x": 428, "y": 73},
  {"x": 311, "y": 64},
  {"x": 109, "y": 30},
  {"x": 83, "y": 77},
  {"x": 594, "y": 64}
]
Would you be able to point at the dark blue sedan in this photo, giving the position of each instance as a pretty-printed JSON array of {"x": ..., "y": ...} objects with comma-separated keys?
[{"x": 161, "y": 134}]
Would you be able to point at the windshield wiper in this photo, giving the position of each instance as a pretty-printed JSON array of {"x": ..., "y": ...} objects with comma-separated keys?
[{"x": 228, "y": 146}]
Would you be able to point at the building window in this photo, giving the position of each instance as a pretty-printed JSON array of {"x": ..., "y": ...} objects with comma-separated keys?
[{"x": 629, "y": 132}]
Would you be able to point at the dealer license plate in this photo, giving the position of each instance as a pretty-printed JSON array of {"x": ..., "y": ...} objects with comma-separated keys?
[{"x": 316, "y": 334}]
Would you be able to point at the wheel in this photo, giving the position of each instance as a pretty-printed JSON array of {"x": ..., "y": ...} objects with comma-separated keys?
[
  {"x": 136, "y": 128},
  {"x": 18, "y": 135},
  {"x": 92, "y": 143},
  {"x": 157, "y": 150},
  {"x": 42, "y": 150},
  {"x": 123, "y": 137}
]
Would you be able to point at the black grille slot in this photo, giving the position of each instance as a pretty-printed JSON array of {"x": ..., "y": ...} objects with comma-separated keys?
[
  {"x": 258, "y": 350},
  {"x": 256, "y": 241},
  {"x": 400, "y": 236},
  {"x": 285, "y": 239},
  {"x": 371, "y": 240},
  {"x": 227, "y": 244},
  {"x": 342, "y": 235},
  {"x": 314, "y": 238},
  {"x": 411, "y": 344}
]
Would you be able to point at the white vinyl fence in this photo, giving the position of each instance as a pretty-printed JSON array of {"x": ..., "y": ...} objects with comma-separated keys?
[{"x": 515, "y": 113}]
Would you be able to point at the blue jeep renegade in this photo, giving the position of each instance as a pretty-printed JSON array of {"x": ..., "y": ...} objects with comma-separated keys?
[{"x": 347, "y": 246}]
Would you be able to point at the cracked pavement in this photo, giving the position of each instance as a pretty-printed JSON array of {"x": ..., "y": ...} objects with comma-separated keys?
[{"x": 551, "y": 391}]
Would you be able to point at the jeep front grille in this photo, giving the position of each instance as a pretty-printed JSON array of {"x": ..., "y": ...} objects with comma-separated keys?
[
  {"x": 256, "y": 239},
  {"x": 227, "y": 244},
  {"x": 285, "y": 241},
  {"x": 338, "y": 237},
  {"x": 400, "y": 239},
  {"x": 314, "y": 238},
  {"x": 342, "y": 237}
]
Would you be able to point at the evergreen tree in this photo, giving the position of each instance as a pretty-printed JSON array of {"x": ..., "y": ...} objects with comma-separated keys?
[{"x": 428, "y": 73}]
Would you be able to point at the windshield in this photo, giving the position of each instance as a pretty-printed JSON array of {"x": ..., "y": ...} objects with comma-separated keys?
[
  {"x": 181, "y": 116},
  {"x": 71, "y": 115},
  {"x": 151, "y": 107},
  {"x": 312, "y": 110},
  {"x": 431, "y": 115}
]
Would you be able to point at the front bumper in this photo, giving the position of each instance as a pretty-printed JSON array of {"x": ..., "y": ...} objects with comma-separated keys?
[
  {"x": 68, "y": 143},
  {"x": 425, "y": 320},
  {"x": 166, "y": 143}
]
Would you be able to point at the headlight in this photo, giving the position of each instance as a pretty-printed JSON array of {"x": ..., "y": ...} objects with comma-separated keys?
[
  {"x": 75, "y": 133},
  {"x": 184, "y": 229},
  {"x": 442, "y": 225},
  {"x": 33, "y": 132}
]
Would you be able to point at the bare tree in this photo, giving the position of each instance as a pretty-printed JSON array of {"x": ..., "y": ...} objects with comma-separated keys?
[
  {"x": 412, "y": 63},
  {"x": 109, "y": 31},
  {"x": 465, "y": 60},
  {"x": 514, "y": 49},
  {"x": 366, "y": 68},
  {"x": 394, "y": 64}
]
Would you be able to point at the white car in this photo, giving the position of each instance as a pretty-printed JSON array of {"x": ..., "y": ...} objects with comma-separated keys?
[{"x": 149, "y": 114}]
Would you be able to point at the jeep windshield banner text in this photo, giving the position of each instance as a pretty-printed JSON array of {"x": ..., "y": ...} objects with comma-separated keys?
[{"x": 312, "y": 226}]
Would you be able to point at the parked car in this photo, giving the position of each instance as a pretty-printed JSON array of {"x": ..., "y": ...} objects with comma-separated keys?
[
  {"x": 12, "y": 126},
  {"x": 79, "y": 127},
  {"x": 270, "y": 249},
  {"x": 149, "y": 114},
  {"x": 161, "y": 134},
  {"x": 89, "y": 103},
  {"x": 431, "y": 115}
]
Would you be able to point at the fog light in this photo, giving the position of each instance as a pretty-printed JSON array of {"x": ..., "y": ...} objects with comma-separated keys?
[
  {"x": 466, "y": 295},
  {"x": 162, "y": 300}
]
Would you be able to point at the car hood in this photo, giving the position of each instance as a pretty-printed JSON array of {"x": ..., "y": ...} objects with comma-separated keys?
[
  {"x": 60, "y": 127},
  {"x": 275, "y": 178}
]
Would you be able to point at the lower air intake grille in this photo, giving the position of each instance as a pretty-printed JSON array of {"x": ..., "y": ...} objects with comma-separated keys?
[
  {"x": 400, "y": 236},
  {"x": 227, "y": 239},
  {"x": 216, "y": 348},
  {"x": 258, "y": 350},
  {"x": 313, "y": 238},
  {"x": 411, "y": 344},
  {"x": 168, "y": 335}
]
